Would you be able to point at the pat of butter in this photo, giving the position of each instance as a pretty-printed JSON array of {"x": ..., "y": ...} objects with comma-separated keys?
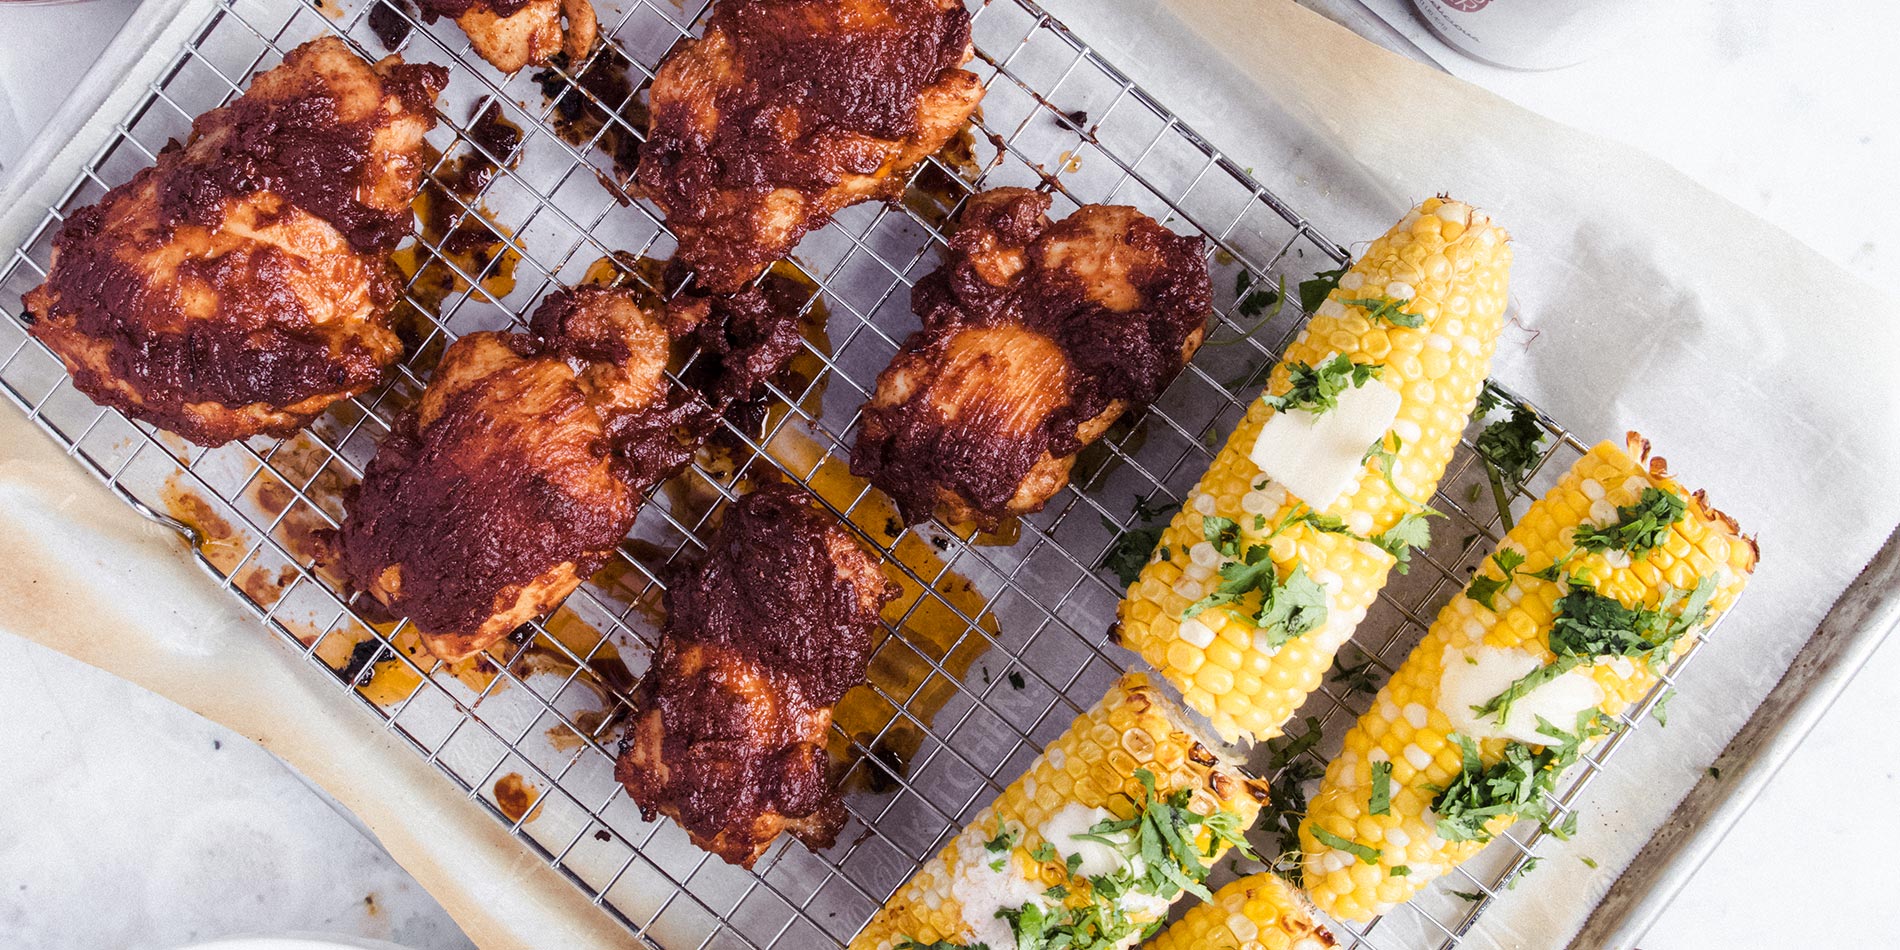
[
  {"x": 1477, "y": 675},
  {"x": 1320, "y": 457}
]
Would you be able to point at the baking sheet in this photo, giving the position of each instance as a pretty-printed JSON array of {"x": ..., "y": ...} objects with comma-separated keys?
[{"x": 1310, "y": 121}]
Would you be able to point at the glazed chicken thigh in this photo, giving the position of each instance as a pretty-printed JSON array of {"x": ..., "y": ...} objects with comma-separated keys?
[
  {"x": 513, "y": 34},
  {"x": 241, "y": 285},
  {"x": 762, "y": 639},
  {"x": 786, "y": 111},
  {"x": 1036, "y": 336},
  {"x": 519, "y": 471}
]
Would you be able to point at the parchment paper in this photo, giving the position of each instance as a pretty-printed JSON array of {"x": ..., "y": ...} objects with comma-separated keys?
[{"x": 1764, "y": 373}]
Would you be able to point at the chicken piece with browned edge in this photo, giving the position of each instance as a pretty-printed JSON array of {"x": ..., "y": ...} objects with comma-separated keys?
[
  {"x": 762, "y": 639},
  {"x": 241, "y": 285},
  {"x": 786, "y": 111},
  {"x": 513, "y": 34},
  {"x": 1036, "y": 336},
  {"x": 519, "y": 471}
]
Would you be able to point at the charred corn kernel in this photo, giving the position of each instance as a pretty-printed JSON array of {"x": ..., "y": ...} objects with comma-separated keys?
[
  {"x": 1259, "y": 912},
  {"x": 1411, "y": 723},
  {"x": 1447, "y": 263},
  {"x": 1093, "y": 766}
]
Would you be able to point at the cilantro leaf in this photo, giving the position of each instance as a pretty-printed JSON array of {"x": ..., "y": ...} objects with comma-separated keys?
[
  {"x": 1387, "y": 309},
  {"x": 1509, "y": 448},
  {"x": 1411, "y": 531},
  {"x": 1133, "y": 548},
  {"x": 1314, "y": 289},
  {"x": 1316, "y": 389},
  {"x": 1485, "y": 589},
  {"x": 1223, "y": 534},
  {"x": 1380, "y": 802},
  {"x": 1367, "y": 854},
  {"x": 1639, "y": 528}
]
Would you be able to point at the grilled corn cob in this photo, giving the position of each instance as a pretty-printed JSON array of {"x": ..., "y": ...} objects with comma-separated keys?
[
  {"x": 1592, "y": 586},
  {"x": 1258, "y": 912},
  {"x": 1445, "y": 267},
  {"x": 1006, "y": 860}
]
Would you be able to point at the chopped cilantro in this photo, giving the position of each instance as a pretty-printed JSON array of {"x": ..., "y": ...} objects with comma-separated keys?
[
  {"x": 998, "y": 848},
  {"x": 1411, "y": 531},
  {"x": 1356, "y": 677},
  {"x": 1472, "y": 896},
  {"x": 1484, "y": 589},
  {"x": 1715, "y": 772},
  {"x": 1134, "y": 547},
  {"x": 1314, "y": 289},
  {"x": 1509, "y": 448},
  {"x": 1530, "y": 865},
  {"x": 1640, "y": 528},
  {"x": 1253, "y": 302},
  {"x": 1369, "y": 855},
  {"x": 1514, "y": 786},
  {"x": 1499, "y": 707},
  {"x": 1223, "y": 534},
  {"x": 1043, "y": 853},
  {"x": 1288, "y": 606},
  {"x": 1316, "y": 389},
  {"x": 1016, "y": 680},
  {"x": 1588, "y": 861},
  {"x": 1387, "y": 309},
  {"x": 1380, "y": 802},
  {"x": 1660, "y": 710},
  {"x": 1400, "y": 870}
]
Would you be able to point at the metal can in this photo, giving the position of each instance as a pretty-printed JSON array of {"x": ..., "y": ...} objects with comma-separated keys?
[{"x": 1527, "y": 34}]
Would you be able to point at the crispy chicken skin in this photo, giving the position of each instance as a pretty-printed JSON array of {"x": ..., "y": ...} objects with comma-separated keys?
[
  {"x": 519, "y": 471},
  {"x": 513, "y": 34},
  {"x": 241, "y": 285},
  {"x": 1036, "y": 336},
  {"x": 762, "y": 638},
  {"x": 786, "y": 111}
]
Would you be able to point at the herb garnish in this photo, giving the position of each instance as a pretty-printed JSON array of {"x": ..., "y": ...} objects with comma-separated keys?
[
  {"x": 1133, "y": 548},
  {"x": 1316, "y": 389},
  {"x": 1484, "y": 589},
  {"x": 1314, "y": 289},
  {"x": 1160, "y": 858},
  {"x": 1254, "y": 303},
  {"x": 998, "y": 848},
  {"x": 1590, "y": 625},
  {"x": 1515, "y": 786},
  {"x": 1286, "y": 802},
  {"x": 1380, "y": 802},
  {"x": 1387, "y": 309},
  {"x": 1509, "y": 448},
  {"x": 1367, "y": 854},
  {"x": 1640, "y": 528}
]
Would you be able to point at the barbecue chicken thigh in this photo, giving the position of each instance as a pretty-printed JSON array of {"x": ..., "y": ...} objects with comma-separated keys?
[
  {"x": 513, "y": 34},
  {"x": 762, "y": 639},
  {"x": 241, "y": 284},
  {"x": 519, "y": 471},
  {"x": 1036, "y": 336},
  {"x": 786, "y": 111}
]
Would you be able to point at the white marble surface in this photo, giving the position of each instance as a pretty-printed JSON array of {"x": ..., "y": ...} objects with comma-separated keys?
[{"x": 131, "y": 823}]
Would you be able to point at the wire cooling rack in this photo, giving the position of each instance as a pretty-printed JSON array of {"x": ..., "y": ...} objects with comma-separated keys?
[{"x": 997, "y": 642}]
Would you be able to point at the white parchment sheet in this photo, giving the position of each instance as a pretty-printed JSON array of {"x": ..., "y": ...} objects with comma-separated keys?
[{"x": 1762, "y": 372}]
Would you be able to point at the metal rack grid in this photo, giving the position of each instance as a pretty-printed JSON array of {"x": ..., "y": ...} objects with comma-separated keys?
[{"x": 994, "y": 648}]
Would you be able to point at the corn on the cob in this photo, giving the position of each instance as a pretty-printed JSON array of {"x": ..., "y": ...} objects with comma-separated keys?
[
  {"x": 1258, "y": 912},
  {"x": 1447, "y": 265},
  {"x": 1413, "y": 786},
  {"x": 1002, "y": 861}
]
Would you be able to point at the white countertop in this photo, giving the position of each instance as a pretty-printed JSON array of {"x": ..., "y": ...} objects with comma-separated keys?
[{"x": 132, "y": 823}]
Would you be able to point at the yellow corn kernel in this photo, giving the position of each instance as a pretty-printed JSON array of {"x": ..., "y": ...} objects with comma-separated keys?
[{"x": 1258, "y": 912}]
